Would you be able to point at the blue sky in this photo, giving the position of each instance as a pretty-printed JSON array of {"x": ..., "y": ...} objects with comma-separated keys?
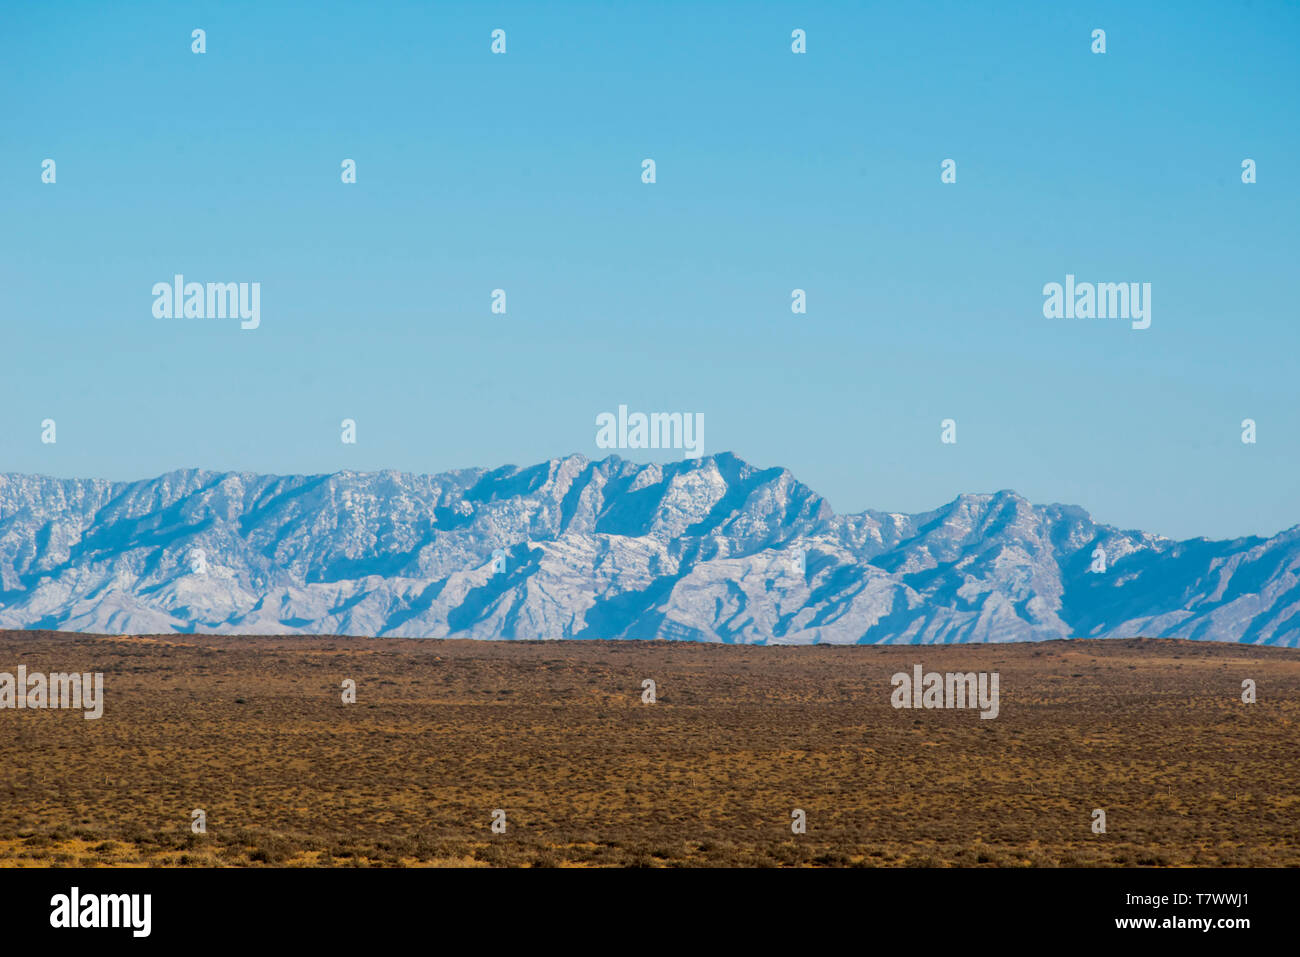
[{"x": 775, "y": 171}]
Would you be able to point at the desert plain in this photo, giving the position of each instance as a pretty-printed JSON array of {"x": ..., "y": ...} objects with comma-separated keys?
[{"x": 255, "y": 733}]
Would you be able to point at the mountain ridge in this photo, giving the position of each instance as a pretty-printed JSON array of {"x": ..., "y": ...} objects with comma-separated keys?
[{"x": 700, "y": 549}]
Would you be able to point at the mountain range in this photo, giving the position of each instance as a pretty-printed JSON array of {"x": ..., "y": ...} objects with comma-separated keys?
[{"x": 709, "y": 549}]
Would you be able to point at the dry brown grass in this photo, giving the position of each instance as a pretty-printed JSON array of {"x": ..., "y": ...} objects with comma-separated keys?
[{"x": 253, "y": 731}]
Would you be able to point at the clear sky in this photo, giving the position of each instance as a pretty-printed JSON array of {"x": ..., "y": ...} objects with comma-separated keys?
[{"x": 775, "y": 171}]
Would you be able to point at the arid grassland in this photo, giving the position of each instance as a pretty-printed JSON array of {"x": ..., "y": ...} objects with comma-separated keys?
[{"x": 254, "y": 732}]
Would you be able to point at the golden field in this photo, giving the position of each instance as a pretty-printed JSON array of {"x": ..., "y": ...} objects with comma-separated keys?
[{"x": 254, "y": 732}]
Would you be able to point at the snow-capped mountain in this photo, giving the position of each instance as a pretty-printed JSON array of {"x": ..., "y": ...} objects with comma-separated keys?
[{"x": 708, "y": 549}]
